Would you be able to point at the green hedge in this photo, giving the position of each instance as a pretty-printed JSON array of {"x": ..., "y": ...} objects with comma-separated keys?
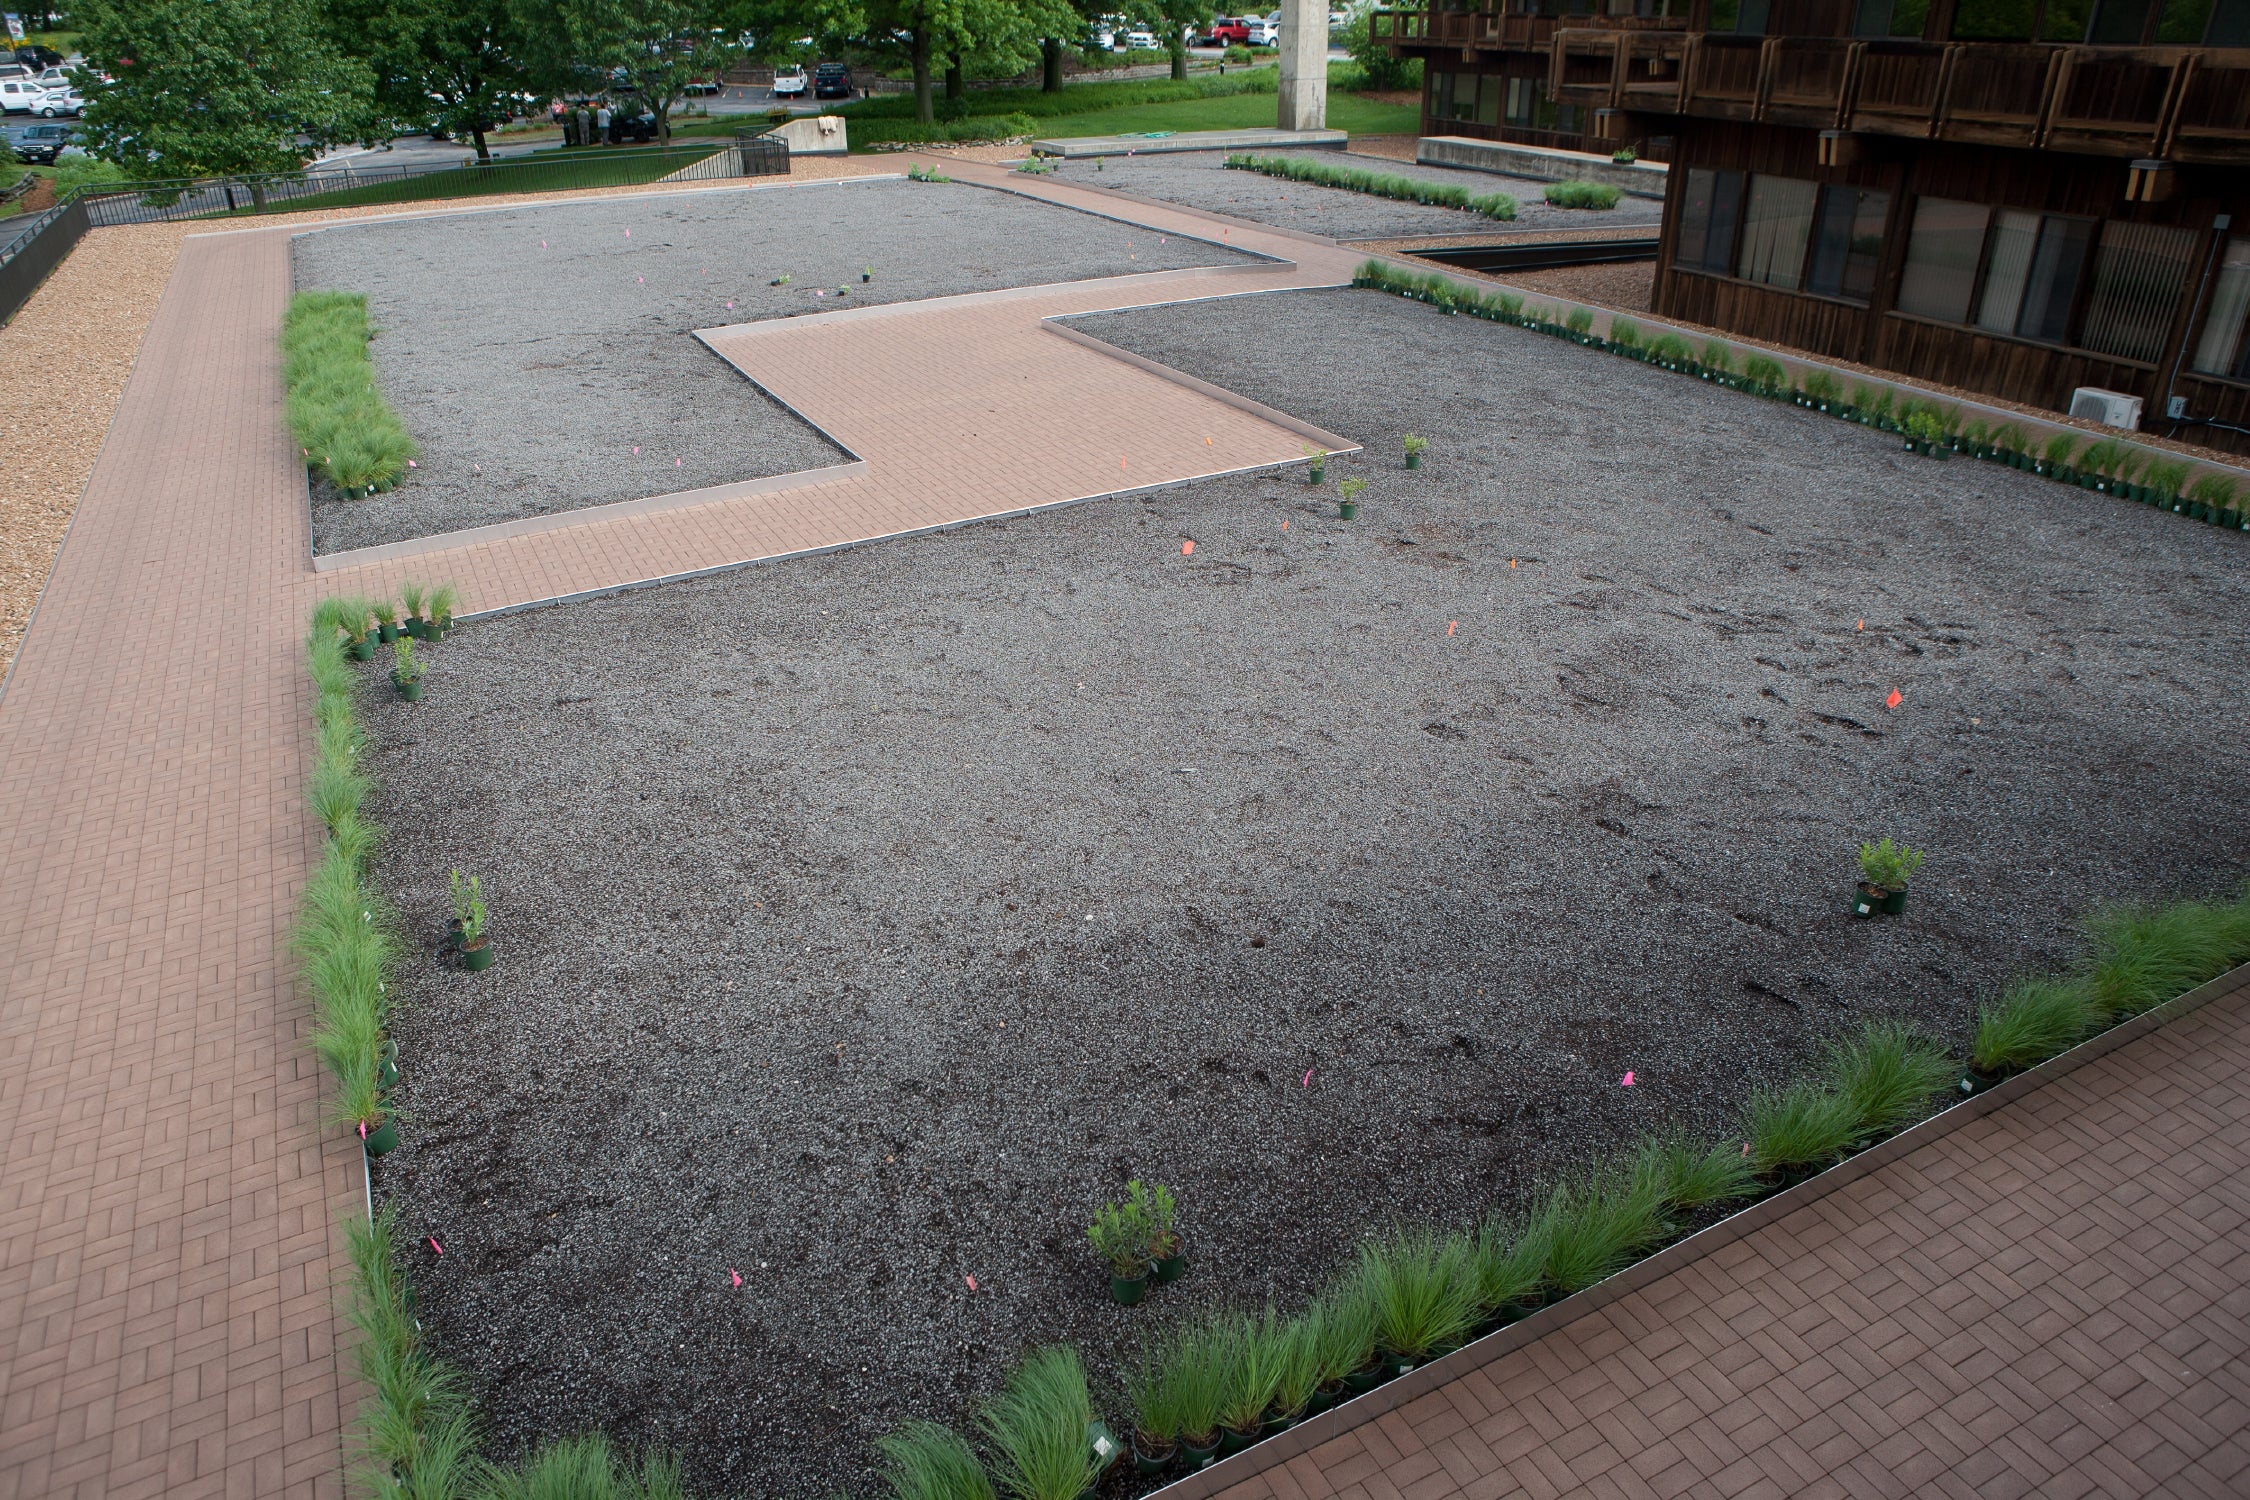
[
  {"x": 1582, "y": 195},
  {"x": 341, "y": 421},
  {"x": 1378, "y": 184},
  {"x": 1074, "y": 99},
  {"x": 974, "y": 128}
]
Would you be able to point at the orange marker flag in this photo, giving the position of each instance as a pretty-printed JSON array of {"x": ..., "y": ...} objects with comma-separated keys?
[
  {"x": 1187, "y": 549},
  {"x": 1893, "y": 700},
  {"x": 1511, "y": 562},
  {"x": 1449, "y": 626},
  {"x": 1863, "y": 624},
  {"x": 1285, "y": 526}
]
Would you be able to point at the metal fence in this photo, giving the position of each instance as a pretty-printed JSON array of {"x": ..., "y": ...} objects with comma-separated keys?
[
  {"x": 351, "y": 183},
  {"x": 26, "y": 259}
]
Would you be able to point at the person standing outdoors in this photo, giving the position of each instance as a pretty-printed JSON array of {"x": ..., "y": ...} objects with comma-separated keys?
[{"x": 601, "y": 125}]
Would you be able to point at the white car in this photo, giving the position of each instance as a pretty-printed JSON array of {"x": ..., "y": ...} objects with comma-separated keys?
[
  {"x": 20, "y": 96},
  {"x": 62, "y": 101},
  {"x": 1140, "y": 39},
  {"x": 789, "y": 83},
  {"x": 1265, "y": 31}
]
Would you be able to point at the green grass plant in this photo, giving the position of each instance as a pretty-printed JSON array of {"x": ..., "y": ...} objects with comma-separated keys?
[
  {"x": 924, "y": 1461},
  {"x": 1510, "y": 1261},
  {"x": 1037, "y": 1428},
  {"x": 1346, "y": 1330},
  {"x": 2165, "y": 476},
  {"x": 2033, "y": 1020},
  {"x": 1602, "y": 1225},
  {"x": 1257, "y": 1347},
  {"x": 1624, "y": 333},
  {"x": 1152, "y": 1391},
  {"x": 967, "y": 128},
  {"x": 1799, "y": 1127},
  {"x": 1298, "y": 1372},
  {"x": 1195, "y": 1360},
  {"x": 1581, "y": 320},
  {"x": 1718, "y": 357},
  {"x": 1888, "y": 1074},
  {"x": 1687, "y": 1176},
  {"x": 1582, "y": 195},
  {"x": 1376, "y": 184},
  {"x": 2058, "y": 450},
  {"x": 2214, "y": 490},
  {"x": 1423, "y": 1290},
  {"x": 1073, "y": 99},
  {"x": 1670, "y": 348},
  {"x": 2146, "y": 955},
  {"x": 341, "y": 421},
  {"x": 1765, "y": 373}
]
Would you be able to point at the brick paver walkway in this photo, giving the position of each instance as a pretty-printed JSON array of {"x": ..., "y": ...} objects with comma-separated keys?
[
  {"x": 169, "y": 1197},
  {"x": 2053, "y": 1300}
]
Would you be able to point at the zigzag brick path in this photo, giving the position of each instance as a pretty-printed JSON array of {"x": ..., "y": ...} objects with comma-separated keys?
[
  {"x": 2053, "y": 1300},
  {"x": 169, "y": 1195}
]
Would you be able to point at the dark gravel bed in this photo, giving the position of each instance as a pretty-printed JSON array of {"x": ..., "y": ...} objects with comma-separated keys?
[
  {"x": 865, "y": 919},
  {"x": 1202, "y": 179},
  {"x": 531, "y": 350}
]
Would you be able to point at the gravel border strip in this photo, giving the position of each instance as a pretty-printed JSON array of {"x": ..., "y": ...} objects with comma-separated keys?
[{"x": 1272, "y": 1452}]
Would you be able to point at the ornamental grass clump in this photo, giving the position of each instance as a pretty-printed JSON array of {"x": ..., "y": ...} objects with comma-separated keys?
[
  {"x": 1256, "y": 1348},
  {"x": 1797, "y": 1130},
  {"x": 341, "y": 421},
  {"x": 1344, "y": 1332},
  {"x": 1037, "y": 1427},
  {"x": 2034, "y": 1019},
  {"x": 584, "y": 1468},
  {"x": 1764, "y": 373},
  {"x": 1887, "y": 1074},
  {"x": 924, "y": 1461},
  {"x": 1684, "y": 1175},
  {"x": 1602, "y": 1225},
  {"x": 420, "y": 1434},
  {"x": 1422, "y": 1290},
  {"x": 1624, "y": 333},
  {"x": 1510, "y": 1261},
  {"x": 1596, "y": 195},
  {"x": 1671, "y": 349},
  {"x": 1298, "y": 1374},
  {"x": 1196, "y": 1362},
  {"x": 2146, "y": 955}
]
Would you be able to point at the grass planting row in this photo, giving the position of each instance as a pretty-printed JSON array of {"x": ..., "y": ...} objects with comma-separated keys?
[
  {"x": 341, "y": 421},
  {"x": 1582, "y": 195},
  {"x": 1214, "y": 1380},
  {"x": 2108, "y": 465},
  {"x": 1376, "y": 184}
]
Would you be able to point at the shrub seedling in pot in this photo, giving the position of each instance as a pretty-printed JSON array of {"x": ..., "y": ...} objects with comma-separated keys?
[
  {"x": 406, "y": 669},
  {"x": 1885, "y": 869},
  {"x": 444, "y": 600},
  {"x": 469, "y": 919},
  {"x": 416, "y": 598},
  {"x": 1159, "y": 1210},
  {"x": 1347, "y": 495},
  {"x": 1319, "y": 471},
  {"x": 1120, "y": 1235},
  {"x": 1415, "y": 448}
]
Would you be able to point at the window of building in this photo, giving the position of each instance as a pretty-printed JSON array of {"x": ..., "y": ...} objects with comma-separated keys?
[
  {"x": 2140, "y": 271},
  {"x": 2032, "y": 267},
  {"x": 1994, "y": 20},
  {"x": 1710, "y": 207},
  {"x": 1848, "y": 242},
  {"x": 1890, "y": 17},
  {"x": 2229, "y": 25},
  {"x": 2224, "y": 348},
  {"x": 2117, "y": 23},
  {"x": 1941, "y": 259},
  {"x": 1489, "y": 90},
  {"x": 2182, "y": 22},
  {"x": 2066, "y": 20},
  {"x": 1776, "y": 225}
]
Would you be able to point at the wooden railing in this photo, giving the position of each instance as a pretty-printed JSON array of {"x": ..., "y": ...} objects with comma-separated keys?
[
  {"x": 1497, "y": 30},
  {"x": 2184, "y": 102}
]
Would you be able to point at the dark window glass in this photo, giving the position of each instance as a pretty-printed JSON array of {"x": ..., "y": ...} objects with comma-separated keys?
[
  {"x": 1909, "y": 16},
  {"x": 1890, "y": 17},
  {"x": 2224, "y": 349},
  {"x": 2140, "y": 272},
  {"x": 2118, "y": 23},
  {"x": 1777, "y": 220},
  {"x": 1708, "y": 211},
  {"x": 1993, "y": 21},
  {"x": 2053, "y": 283},
  {"x": 1872, "y": 19},
  {"x": 1941, "y": 259},
  {"x": 2065, "y": 20},
  {"x": 2229, "y": 25},
  {"x": 1724, "y": 13},
  {"x": 1848, "y": 242},
  {"x": 1750, "y": 20}
]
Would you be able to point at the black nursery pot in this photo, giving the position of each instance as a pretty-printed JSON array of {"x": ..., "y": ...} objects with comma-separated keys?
[
  {"x": 362, "y": 649},
  {"x": 1127, "y": 1290},
  {"x": 388, "y": 632},
  {"x": 478, "y": 958},
  {"x": 1319, "y": 474},
  {"x": 1232, "y": 1441},
  {"x": 1146, "y": 1461},
  {"x": 1894, "y": 903},
  {"x": 1199, "y": 1457},
  {"x": 1171, "y": 1267},
  {"x": 382, "y": 1140},
  {"x": 453, "y": 933},
  {"x": 1975, "y": 1080},
  {"x": 1867, "y": 899}
]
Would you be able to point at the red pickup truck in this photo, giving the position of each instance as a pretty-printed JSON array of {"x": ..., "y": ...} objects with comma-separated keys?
[{"x": 1226, "y": 31}]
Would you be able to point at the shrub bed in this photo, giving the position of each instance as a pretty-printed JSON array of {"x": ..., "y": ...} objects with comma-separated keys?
[
  {"x": 1076, "y": 99},
  {"x": 1376, "y": 184},
  {"x": 341, "y": 421},
  {"x": 970, "y": 128},
  {"x": 1582, "y": 195}
]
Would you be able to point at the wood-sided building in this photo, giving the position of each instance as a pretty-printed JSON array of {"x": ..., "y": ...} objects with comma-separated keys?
[{"x": 2016, "y": 197}]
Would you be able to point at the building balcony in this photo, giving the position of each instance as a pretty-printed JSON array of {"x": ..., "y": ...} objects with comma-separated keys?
[
  {"x": 1416, "y": 32},
  {"x": 2189, "y": 104}
]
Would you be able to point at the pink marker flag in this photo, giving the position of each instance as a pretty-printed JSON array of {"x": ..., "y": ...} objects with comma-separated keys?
[
  {"x": 1627, "y": 1080},
  {"x": 434, "y": 1245},
  {"x": 1449, "y": 626},
  {"x": 542, "y": 244},
  {"x": 628, "y": 234},
  {"x": 730, "y": 307},
  {"x": 1893, "y": 700},
  {"x": 643, "y": 280},
  {"x": 972, "y": 1281},
  {"x": 636, "y": 449},
  {"x": 737, "y": 1275},
  {"x": 1187, "y": 549},
  {"x": 677, "y": 462},
  {"x": 1308, "y": 1080}
]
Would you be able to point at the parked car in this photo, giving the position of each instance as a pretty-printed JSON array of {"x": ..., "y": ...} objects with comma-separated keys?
[
  {"x": 20, "y": 96},
  {"x": 831, "y": 81},
  {"x": 789, "y": 83},
  {"x": 41, "y": 144},
  {"x": 62, "y": 101},
  {"x": 705, "y": 89},
  {"x": 1139, "y": 39},
  {"x": 1261, "y": 31},
  {"x": 1228, "y": 31},
  {"x": 1101, "y": 38},
  {"x": 36, "y": 56}
]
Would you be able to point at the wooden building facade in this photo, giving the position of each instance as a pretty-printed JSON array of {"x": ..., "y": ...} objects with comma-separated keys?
[{"x": 2015, "y": 197}]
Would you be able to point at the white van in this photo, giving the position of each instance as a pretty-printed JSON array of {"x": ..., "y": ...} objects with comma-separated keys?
[{"x": 19, "y": 96}]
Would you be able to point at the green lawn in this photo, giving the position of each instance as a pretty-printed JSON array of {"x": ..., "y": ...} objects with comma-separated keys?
[
  {"x": 545, "y": 172},
  {"x": 1346, "y": 112}
]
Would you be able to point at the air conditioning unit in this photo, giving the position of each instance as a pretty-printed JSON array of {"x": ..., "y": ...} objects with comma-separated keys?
[{"x": 2110, "y": 408}]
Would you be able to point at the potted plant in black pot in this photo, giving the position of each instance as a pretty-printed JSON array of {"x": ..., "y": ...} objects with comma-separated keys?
[
  {"x": 416, "y": 597},
  {"x": 1159, "y": 1210},
  {"x": 444, "y": 600},
  {"x": 1415, "y": 448},
  {"x": 1255, "y": 1349},
  {"x": 1318, "y": 474},
  {"x": 1197, "y": 1360},
  {"x": 406, "y": 670},
  {"x": 386, "y": 621},
  {"x": 2034, "y": 1019},
  {"x": 1347, "y": 497},
  {"x": 469, "y": 912},
  {"x": 1299, "y": 1378},
  {"x": 1510, "y": 1263},
  {"x": 1423, "y": 1292},
  {"x": 1885, "y": 869},
  {"x": 1119, "y": 1235},
  {"x": 1152, "y": 1390}
]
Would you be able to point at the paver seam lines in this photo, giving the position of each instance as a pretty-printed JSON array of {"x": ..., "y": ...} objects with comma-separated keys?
[
  {"x": 1023, "y": 190},
  {"x": 585, "y": 515},
  {"x": 1054, "y": 324},
  {"x": 1160, "y": 205},
  {"x": 607, "y": 589},
  {"x": 1696, "y": 1248}
]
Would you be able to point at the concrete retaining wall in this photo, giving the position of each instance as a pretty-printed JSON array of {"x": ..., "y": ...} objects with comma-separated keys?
[{"x": 1643, "y": 179}]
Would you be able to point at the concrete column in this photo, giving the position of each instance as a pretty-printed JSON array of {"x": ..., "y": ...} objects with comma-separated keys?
[{"x": 1304, "y": 65}]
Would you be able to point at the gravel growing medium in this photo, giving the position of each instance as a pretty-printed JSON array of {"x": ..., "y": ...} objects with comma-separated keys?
[
  {"x": 865, "y": 919},
  {"x": 532, "y": 350},
  {"x": 1202, "y": 179}
]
